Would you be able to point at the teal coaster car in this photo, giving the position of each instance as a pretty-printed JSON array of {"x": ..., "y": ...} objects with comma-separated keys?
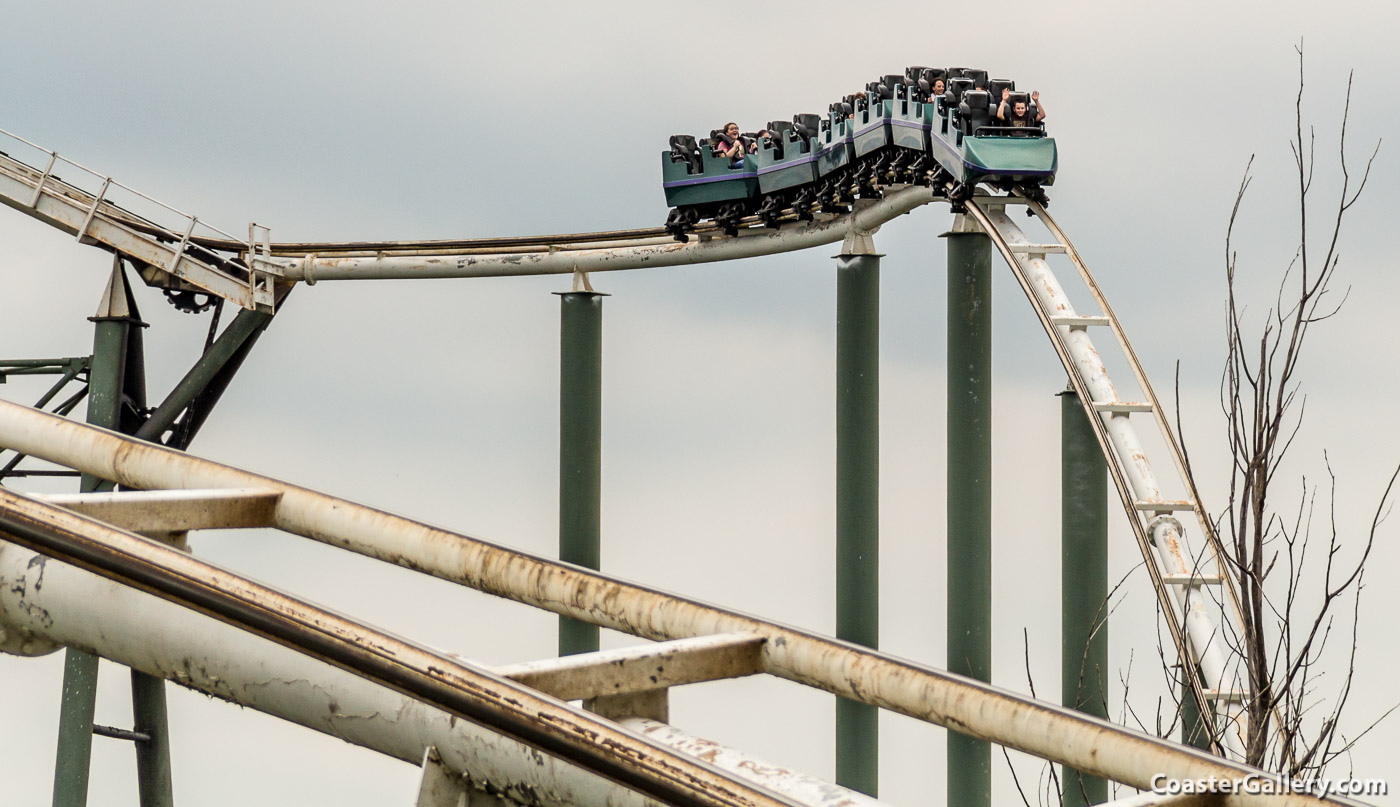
[
  {"x": 906, "y": 127},
  {"x": 787, "y": 168},
  {"x": 700, "y": 184},
  {"x": 972, "y": 147}
]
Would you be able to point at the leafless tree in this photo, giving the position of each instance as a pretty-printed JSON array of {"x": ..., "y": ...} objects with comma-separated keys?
[{"x": 1288, "y": 604}]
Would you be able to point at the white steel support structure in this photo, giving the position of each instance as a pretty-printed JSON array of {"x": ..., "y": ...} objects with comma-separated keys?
[
  {"x": 972, "y": 707},
  {"x": 1202, "y": 635}
]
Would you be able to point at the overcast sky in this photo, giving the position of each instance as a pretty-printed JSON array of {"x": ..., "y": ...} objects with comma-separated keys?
[{"x": 438, "y": 399}]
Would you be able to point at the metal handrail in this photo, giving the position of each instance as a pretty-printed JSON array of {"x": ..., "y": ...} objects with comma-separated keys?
[{"x": 55, "y": 158}]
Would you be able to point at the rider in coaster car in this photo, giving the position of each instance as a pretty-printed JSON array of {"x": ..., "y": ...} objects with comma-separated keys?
[
  {"x": 1019, "y": 115},
  {"x": 727, "y": 143}
]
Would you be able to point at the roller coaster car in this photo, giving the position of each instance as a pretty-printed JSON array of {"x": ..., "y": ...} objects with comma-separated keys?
[
  {"x": 701, "y": 184},
  {"x": 786, "y": 163},
  {"x": 978, "y": 148}
]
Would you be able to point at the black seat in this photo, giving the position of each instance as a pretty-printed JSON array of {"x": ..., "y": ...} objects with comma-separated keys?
[
  {"x": 806, "y": 125},
  {"x": 879, "y": 90},
  {"x": 953, "y": 72},
  {"x": 779, "y": 128},
  {"x": 896, "y": 84},
  {"x": 973, "y": 112},
  {"x": 954, "y": 94},
  {"x": 997, "y": 85},
  {"x": 979, "y": 77},
  {"x": 685, "y": 149}
]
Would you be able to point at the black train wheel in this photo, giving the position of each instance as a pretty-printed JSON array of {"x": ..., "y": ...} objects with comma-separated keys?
[{"x": 190, "y": 302}]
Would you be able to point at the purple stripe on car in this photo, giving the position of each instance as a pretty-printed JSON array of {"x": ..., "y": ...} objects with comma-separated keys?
[{"x": 702, "y": 180}]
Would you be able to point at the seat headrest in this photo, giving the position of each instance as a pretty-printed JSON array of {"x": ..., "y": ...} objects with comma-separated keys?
[
  {"x": 976, "y": 101},
  {"x": 956, "y": 88},
  {"x": 806, "y": 124},
  {"x": 879, "y": 90}
]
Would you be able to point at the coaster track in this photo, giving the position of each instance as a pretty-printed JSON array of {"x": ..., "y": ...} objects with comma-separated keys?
[{"x": 1204, "y": 626}]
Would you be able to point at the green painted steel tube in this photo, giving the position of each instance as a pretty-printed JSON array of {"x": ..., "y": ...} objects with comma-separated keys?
[
  {"x": 1193, "y": 730},
  {"x": 117, "y": 376},
  {"x": 107, "y": 384},
  {"x": 152, "y": 758},
  {"x": 857, "y": 502},
  {"x": 240, "y": 334},
  {"x": 969, "y": 497},
  {"x": 580, "y": 447},
  {"x": 76, "y": 710},
  {"x": 1083, "y": 583}
]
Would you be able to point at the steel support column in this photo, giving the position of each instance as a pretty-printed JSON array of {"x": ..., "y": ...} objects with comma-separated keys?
[
  {"x": 580, "y": 447},
  {"x": 969, "y": 495},
  {"x": 1083, "y": 582},
  {"x": 1194, "y": 731},
  {"x": 201, "y": 387},
  {"x": 857, "y": 496},
  {"x": 117, "y": 395},
  {"x": 153, "y": 779}
]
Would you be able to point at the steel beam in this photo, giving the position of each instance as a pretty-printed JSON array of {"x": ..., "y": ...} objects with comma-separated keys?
[
  {"x": 175, "y": 510},
  {"x": 1083, "y": 583},
  {"x": 973, "y": 707},
  {"x": 200, "y": 388},
  {"x": 642, "y": 668},
  {"x": 580, "y": 447},
  {"x": 969, "y": 494},
  {"x": 858, "y": 496}
]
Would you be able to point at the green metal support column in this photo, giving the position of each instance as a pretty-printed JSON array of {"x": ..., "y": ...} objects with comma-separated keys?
[
  {"x": 117, "y": 394},
  {"x": 153, "y": 780},
  {"x": 858, "y": 496},
  {"x": 1083, "y": 583},
  {"x": 201, "y": 387},
  {"x": 1193, "y": 730},
  {"x": 580, "y": 447},
  {"x": 969, "y": 495}
]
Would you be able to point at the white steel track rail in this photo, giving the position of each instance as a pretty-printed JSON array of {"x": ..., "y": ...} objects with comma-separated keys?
[
  {"x": 1204, "y": 628},
  {"x": 706, "y": 641}
]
